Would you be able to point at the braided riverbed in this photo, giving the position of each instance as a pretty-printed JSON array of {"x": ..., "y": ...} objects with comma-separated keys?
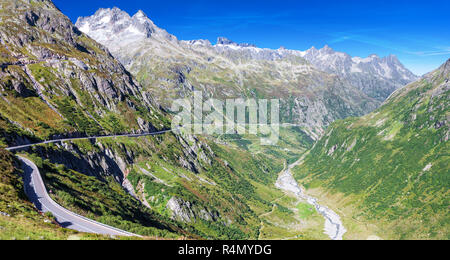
[{"x": 333, "y": 224}]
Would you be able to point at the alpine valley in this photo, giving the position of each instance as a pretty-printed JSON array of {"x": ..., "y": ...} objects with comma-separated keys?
[
  {"x": 316, "y": 87},
  {"x": 363, "y": 146}
]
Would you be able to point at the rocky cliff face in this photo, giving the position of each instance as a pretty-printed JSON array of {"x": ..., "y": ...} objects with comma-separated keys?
[
  {"x": 312, "y": 93},
  {"x": 187, "y": 212},
  {"x": 61, "y": 79},
  {"x": 183, "y": 182},
  {"x": 377, "y": 77},
  {"x": 56, "y": 81},
  {"x": 114, "y": 26}
]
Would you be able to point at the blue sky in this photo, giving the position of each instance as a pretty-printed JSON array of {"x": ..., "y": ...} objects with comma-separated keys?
[{"x": 418, "y": 32}]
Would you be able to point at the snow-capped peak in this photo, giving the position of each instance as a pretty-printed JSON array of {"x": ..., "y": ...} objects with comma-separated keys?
[
  {"x": 327, "y": 49},
  {"x": 141, "y": 14},
  {"x": 115, "y": 25},
  {"x": 226, "y": 41},
  {"x": 375, "y": 76},
  {"x": 198, "y": 43},
  {"x": 362, "y": 72}
]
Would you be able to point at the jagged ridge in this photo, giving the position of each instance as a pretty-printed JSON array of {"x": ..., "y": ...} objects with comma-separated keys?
[{"x": 170, "y": 68}]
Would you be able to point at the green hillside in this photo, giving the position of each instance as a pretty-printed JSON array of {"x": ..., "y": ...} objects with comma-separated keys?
[
  {"x": 18, "y": 218},
  {"x": 385, "y": 174},
  {"x": 391, "y": 167},
  {"x": 57, "y": 82}
]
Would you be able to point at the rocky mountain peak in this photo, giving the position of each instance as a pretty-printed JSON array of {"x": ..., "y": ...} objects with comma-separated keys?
[
  {"x": 38, "y": 30},
  {"x": 140, "y": 14},
  {"x": 115, "y": 25},
  {"x": 446, "y": 67},
  {"x": 443, "y": 70},
  {"x": 376, "y": 77},
  {"x": 109, "y": 15},
  {"x": 392, "y": 60},
  {"x": 198, "y": 42},
  {"x": 312, "y": 52},
  {"x": 326, "y": 49},
  {"x": 226, "y": 41},
  {"x": 374, "y": 56},
  {"x": 35, "y": 14}
]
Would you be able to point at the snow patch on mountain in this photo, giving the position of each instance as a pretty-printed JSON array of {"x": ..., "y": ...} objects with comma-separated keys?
[
  {"x": 116, "y": 28},
  {"x": 377, "y": 77},
  {"x": 124, "y": 34}
]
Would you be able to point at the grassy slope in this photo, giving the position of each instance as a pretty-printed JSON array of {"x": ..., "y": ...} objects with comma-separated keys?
[
  {"x": 106, "y": 202},
  {"x": 240, "y": 193},
  {"x": 24, "y": 222},
  {"x": 387, "y": 173},
  {"x": 80, "y": 106},
  {"x": 211, "y": 188},
  {"x": 29, "y": 116},
  {"x": 278, "y": 212},
  {"x": 215, "y": 187}
]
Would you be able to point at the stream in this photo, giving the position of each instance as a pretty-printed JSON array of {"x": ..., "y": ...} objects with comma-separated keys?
[{"x": 333, "y": 224}]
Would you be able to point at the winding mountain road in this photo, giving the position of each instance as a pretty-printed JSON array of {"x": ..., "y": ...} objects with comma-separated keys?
[
  {"x": 14, "y": 148},
  {"x": 37, "y": 193}
]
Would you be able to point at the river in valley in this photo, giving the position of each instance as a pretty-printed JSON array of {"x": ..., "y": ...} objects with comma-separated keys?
[{"x": 333, "y": 224}]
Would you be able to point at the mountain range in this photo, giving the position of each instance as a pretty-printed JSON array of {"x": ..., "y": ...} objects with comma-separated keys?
[
  {"x": 57, "y": 82},
  {"x": 372, "y": 138},
  {"x": 316, "y": 87}
]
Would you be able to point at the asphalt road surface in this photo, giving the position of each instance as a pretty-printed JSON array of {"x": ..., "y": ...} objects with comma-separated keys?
[
  {"x": 87, "y": 138},
  {"x": 37, "y": 193}
]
